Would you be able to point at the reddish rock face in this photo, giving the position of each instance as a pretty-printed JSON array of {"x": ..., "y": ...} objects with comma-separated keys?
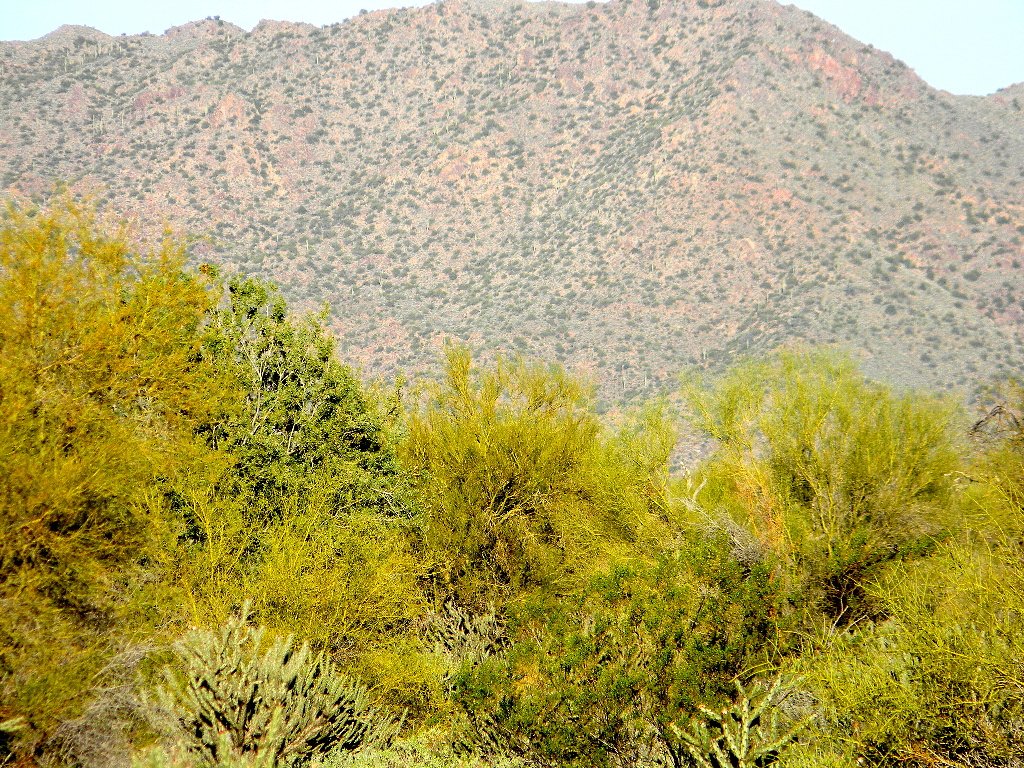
[{"x": 845, "y": 81}]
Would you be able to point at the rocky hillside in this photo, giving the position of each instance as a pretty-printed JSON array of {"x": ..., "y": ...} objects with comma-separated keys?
[{"x": 630, "y": 187}]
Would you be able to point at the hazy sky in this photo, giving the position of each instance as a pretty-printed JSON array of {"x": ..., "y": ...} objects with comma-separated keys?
[{"x": 962, "y": 46}]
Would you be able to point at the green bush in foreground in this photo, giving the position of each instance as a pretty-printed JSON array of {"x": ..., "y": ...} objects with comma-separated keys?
[
  {"x": 609, "y": 676},
  {"x": 232, "y": 702},
  {"x": 941, "y": 680}
]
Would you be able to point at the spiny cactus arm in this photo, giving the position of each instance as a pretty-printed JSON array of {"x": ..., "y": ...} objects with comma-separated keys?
[
  {"x": 737, "y": 736},
  {"x": 770, "y": 740},
  {"x": 232, "y": 697},
  {"x": 221, "y": 684},
  {"x": 287, "y": 662},
  {"x": 773, "y": 745},
  {"x": 758, "y": 699},
  {"x": 735, "y": 733},
  {"x": 696, "y": 740},
  {"x": 707, "y": 716},
  {"x": 699, "y": 757}
]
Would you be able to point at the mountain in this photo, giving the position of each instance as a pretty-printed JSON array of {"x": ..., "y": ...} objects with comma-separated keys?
[{"x": 630, "y": 187}]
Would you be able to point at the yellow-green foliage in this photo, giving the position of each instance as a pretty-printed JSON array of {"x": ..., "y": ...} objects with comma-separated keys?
[
  {"x": 345, "y": 580},
  {"x": 520, "y": 484},
  {"x": 837, "y": 474},
  {"x": 99, "y": 396},
  {"x": 428, "y": 749},
  {"x": 941, "y": 681}
]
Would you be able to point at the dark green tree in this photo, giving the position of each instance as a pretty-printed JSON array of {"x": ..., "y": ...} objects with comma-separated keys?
[{"x": 306, "y": 420}]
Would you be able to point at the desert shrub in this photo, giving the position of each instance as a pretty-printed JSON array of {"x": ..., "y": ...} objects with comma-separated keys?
[
  {"x": 611, "y": 674},
  {"x": 426, "y": 749},
  {"x": 941, "y": 679},
  {"x": 520, "y": 486},
  {"x": 232, "y": 699},
  {"x": 838, "y": 475},
  {"x": 101, "y": 390},
  {"x": 347, "y": 581},
  {"x": 305, "y": 422},
  {"x": 938, "y": 682}
]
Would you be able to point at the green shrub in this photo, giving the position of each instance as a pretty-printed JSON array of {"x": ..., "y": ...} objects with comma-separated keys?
[
  {"x": 232, "y": 700},
  {"x": 521, "y": 487},
  {"x": 428, "y": 749},
  {"x": 609, "y": 675},
  {"x": 837, "y": 475},
  {"x": 941, "y": 680},
  {"x": 305, "y": 422}
]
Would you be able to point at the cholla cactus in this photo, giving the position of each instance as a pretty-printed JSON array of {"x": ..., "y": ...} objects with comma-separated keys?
[
  {"x": 460, "y": 635},
  {"x": 229, "y": 704},
  {"x": 738, "y": 736}
]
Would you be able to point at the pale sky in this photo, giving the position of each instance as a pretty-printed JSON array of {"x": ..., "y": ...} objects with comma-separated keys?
[{"x": 962, "y": 46}]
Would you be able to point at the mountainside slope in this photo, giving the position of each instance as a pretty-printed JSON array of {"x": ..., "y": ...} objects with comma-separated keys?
[{"x": 630, "y": 187}]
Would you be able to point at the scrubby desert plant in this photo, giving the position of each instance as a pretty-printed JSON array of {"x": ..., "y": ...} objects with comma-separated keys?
[
  {"x": 941, "y": 681},
  {"x": 100, "y": 393},
  {"x": 838, "y": 475},
  {"x": 230, "y": 699},
  {"x": 603, "y": 677},
  {"x": 426, "y": 749},
  {"x": 747, "y": 734},
  {"x": 521, "y": 486}
]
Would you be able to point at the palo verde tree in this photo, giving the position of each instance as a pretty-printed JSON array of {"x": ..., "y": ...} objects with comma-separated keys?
[
  {"x": 837, "y": 474},
  {"x": 522, "y": 487},
  {"x": 101, "y": 390}
]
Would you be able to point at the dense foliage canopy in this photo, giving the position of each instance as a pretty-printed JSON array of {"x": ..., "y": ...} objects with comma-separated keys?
[{"x": 837, "y": 582}]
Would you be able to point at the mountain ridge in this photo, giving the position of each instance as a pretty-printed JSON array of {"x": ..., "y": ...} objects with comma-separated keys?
[{"x": 631, "y": 187}]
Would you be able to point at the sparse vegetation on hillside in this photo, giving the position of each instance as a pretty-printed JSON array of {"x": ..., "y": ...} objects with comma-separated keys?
[{"x": 629, "y": 187}]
